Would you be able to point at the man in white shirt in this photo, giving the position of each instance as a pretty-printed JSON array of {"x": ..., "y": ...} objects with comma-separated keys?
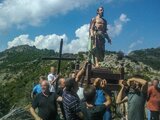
[{"x": 52, "y": 77}]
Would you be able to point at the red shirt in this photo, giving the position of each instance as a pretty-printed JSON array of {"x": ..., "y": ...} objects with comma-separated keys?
[{"x": 153, "y": 103}]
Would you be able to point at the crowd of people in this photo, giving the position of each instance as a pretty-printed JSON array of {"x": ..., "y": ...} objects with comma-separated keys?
[{"x": 72, "y": 101}]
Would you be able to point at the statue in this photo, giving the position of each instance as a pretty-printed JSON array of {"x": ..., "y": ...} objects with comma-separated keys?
[{"x": 98, "y": 34}]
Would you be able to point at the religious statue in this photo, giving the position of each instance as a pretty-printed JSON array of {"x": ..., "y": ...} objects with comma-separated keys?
[{"x": 98, "y": 34}]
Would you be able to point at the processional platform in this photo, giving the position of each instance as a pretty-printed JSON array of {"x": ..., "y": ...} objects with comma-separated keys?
[{"x": 104, "y": 73}]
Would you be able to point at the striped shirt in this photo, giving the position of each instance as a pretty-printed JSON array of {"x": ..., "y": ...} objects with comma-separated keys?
[{"x": 71, "y": 104}]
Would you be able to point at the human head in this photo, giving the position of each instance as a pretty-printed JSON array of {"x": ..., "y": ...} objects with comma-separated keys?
[
  {"x": 53, "y": 69},
  {"x": 71, "y": 85},
  {"x": 62, "y": 82},
  {"x": 100, "y": 11},
  {"x": 41, "y": 78},
  {"x": 89, "y": 94},
  {"x": 72, "y": 75},
  {"x": 45, "y": 86},
  {"x": 155, "y": 82},
  {"x": 135, "y": 86}
]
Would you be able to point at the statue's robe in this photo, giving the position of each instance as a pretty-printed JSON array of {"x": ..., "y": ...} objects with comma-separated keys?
[{"x": 99, "y": 42}]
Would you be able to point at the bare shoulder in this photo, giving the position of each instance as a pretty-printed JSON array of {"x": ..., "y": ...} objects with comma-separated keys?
[{"x": 93, "y": 19}]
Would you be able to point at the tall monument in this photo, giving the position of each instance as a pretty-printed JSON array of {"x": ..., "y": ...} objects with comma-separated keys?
[{"x": 98, "y": 34}]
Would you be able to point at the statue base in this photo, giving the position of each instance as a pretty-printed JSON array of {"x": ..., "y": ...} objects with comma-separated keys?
[{"x": 103, "y": 73}]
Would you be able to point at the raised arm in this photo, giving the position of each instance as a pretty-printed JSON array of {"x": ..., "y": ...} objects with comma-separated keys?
[
  {"x": 108, "y": 101},
  {"x": 141, "y": 81},
  {"x": 81, "y": 73},
  {"x": 121, "y": 98}
]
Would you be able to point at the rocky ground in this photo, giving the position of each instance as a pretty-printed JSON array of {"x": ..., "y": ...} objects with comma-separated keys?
[{"x": 132, "y": 67}]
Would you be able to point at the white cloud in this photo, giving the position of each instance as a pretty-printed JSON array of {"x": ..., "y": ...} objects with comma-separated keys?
[
  {"x": 133, "y": 45},
  {"x": 32, "y": 12},
  {"x": 116, "y": 29},
  {"x": 49, "y": 41},
  {"x": 52, "y": 41},
  {"x": 117, "y": 1},
  {"x": 80, "y": 43}
]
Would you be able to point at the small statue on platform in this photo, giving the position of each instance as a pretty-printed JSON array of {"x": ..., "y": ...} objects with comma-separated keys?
[{"x": 98, "y": 34}]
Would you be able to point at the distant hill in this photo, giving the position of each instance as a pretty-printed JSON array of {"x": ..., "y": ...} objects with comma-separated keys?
[
  {"x": 149, "y": 57},
  {"x": 22, "y": 54},
  {"x": 21, "y": 66}
]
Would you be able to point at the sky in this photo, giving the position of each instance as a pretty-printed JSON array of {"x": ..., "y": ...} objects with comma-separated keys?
[{"x": 132, "y": 24}]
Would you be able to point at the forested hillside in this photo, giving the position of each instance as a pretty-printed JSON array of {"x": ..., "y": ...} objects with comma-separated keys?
[{"x": 149, "y": 57}]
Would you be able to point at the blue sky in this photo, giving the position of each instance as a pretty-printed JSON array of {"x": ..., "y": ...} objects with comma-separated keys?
[{"x": 133, "y": 24}]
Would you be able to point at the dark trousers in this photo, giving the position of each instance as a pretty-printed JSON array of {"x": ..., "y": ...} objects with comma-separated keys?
[
  {"x": 62, "y": 110},
  {"x": 155, "y": 115}
]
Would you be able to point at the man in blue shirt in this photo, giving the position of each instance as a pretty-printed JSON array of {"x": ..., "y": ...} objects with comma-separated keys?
[
  {"x": 37, "y": 88},
  {"x": 89, "y": 109},
  {"x": 100, "y": 97}
]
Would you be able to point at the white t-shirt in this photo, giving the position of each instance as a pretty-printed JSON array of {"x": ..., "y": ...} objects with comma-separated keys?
[
  {"x": 80, "y": 93},
  {"x": 50, "y": 78}
]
